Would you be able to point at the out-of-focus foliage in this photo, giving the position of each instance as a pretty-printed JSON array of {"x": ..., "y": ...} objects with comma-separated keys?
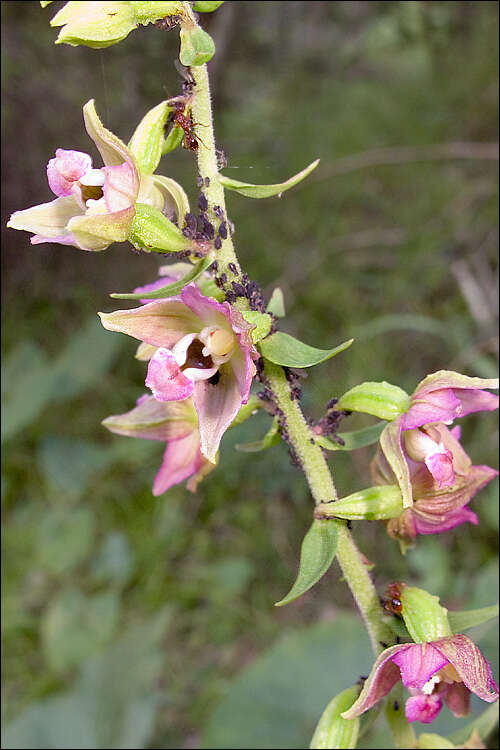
[{"x": 392, "y": 240}]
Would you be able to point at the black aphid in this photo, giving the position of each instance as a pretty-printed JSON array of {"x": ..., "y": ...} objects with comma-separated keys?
[
  {"x": 218, "y": 243},
  {"x": 223, "y": 230}
]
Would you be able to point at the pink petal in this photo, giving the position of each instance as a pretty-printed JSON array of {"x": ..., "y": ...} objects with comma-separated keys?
[
  {"x": 166, "y": 379},
  {"x": 180, "y": 461},
  {"x": 449, "y": 521},
  {"x": 120, "y": 187},
  {"x": 470, "y": 664},
  {"x": 423, "y": 708},
  {"x": 381, "y": 680},
  {"x": 67, "y": 168},
  {"x": 244, "y": 371},
  {"x": 159, "y": 323},
  {"x": 440, "y": 466},
  {"x": 436, "y": 406},
  {"x": 418, "y": 663},
  {"x": 217, "y": 406},
  {"x": 457, "y": 698},
  {"x": 472, "y": 401}
]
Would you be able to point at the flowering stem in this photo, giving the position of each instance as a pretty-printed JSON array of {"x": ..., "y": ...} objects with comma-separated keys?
[{"x": 308, "y": 453}]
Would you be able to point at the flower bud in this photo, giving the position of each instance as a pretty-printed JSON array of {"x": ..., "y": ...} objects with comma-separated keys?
[
  {"x": 425, "y": 619},
  {"x": 197, "y": 47},
  {"x": 332, "y": 731}
]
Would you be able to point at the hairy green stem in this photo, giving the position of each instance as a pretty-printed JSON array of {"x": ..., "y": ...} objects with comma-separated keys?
[{"x": 300, "y": 436}]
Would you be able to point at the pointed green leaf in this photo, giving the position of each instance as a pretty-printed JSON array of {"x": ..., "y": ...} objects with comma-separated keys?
[
  {"x": 272, "y": 437},
  {"x": 332, "y": 731},
  {"x": 265, "y": 191},
  {"x": 170, "y": 290},
  {"x": 287, "y": 351},
  {"x": 383, "y": 400},
  {"x": 261, "y": 321},
  {"x": 276, "y": 304},
  {"x": 316, "y": 555},
  {"x": 353, "y": 440},
  {"x": 461, "y": 621}
]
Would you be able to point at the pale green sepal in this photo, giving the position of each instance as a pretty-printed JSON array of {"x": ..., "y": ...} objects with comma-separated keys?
[
  {"x": 433, "y": 742},
  {"x": 382, "y": 400},
  {"x": 149, "y": 12},
  {"x": 484, "y": 725},
  {"x": 353, "y": 440},
  {"x": 265, "y": 191},
  {"x": 147, "y": 140},
  {"x": 47, "y": 219},
  {"x": 287, "y": 351},
  {"x": 94, "y": 24},
  {"x": 113, "y": 227},
  {"x": 174, "y": 197},
  {"x": 261, "y": 321},
  {"x": 460, "y": 621},
  {"x": 425, "y": 619},
  {"x": 252, "y": 406},
  {"x": 207, "y": 7},
  {"x": 272, "y": 437},
  {"x": 390, "y": 442},
  {"x": 173, "y": 139},
  {"x": 372, "y": 504},
  {"x": 152, "y": 230},
  {"x": 113, "y": 151},
  {"x": 316, "y": 555},
  {"x": 197, "y": 47},
  {"x": 332, "y": 731},
  {"x": 276, "y": 304},
  {"x": 170, "y": 290}
]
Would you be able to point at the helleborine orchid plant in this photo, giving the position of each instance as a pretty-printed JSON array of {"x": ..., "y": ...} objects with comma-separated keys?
[{"x": 207, "y": 335}]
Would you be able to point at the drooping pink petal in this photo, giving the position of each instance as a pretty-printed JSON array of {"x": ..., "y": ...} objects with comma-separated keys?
[
  {"x": 380, "y": 681},
  {"x": 449, "y": 521},
  {"x": 180, "y": 461},
  {"x": 472, "y": 401},
  {"x": 159, "y": 323},
  {"x": 470, "y": 664},
  {"x": 440, "y": 466},
  {"x": 211, "y": 312},
  {"x": 217, "y": 405},
  {"x": 166, "y": 379},
  {"x": 65, "y": 169},
  {"x": 457, "y": 698},
  {"x": 423, "y": 708},
  {"x": 418, "y": 663},
  {"x": 244, "y": 371},
  {"x": 120, "y": 187}
]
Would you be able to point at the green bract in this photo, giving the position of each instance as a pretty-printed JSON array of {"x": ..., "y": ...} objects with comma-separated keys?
[
  {"x": 261, "y": 321},
  {"x": 316, "y": 555},
  {"x": 272, "y": 437},
  {"x": 425, "y": 619},
  {"x": 287, "y": 351},
  {"x": 461, "y": 621},
  {"x": 265, "y": 191},
  {"x": 383, "y": 400},
  {"x": 170, "y": 290},
  {"x": 276, "y": 304},
  {"x": 353, "y": 440},
  {"x": 151, "y": 230},
  {"x": 332, "y": 731}
]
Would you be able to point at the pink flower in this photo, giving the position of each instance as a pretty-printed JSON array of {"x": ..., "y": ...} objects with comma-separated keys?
[
  {"x": 446, "y": 670},
  {"x": 439, "y": 498},
  {"x": 204, "y": 350},
  {"x": 417, "y": 435},
  {"x": 175, "y": 423}
]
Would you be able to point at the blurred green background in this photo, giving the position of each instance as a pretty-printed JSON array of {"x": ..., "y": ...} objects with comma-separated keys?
[{"x": 134, "y": 622}]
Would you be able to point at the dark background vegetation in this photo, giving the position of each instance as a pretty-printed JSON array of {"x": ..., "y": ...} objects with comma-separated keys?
[{"x": 127, "y": 618}]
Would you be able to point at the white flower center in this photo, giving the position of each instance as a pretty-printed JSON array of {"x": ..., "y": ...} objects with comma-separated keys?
[
  {"x": 429, "y": 686},
  {"x": 219, "y": 343},
  {"x": 94, "y": 178}
]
